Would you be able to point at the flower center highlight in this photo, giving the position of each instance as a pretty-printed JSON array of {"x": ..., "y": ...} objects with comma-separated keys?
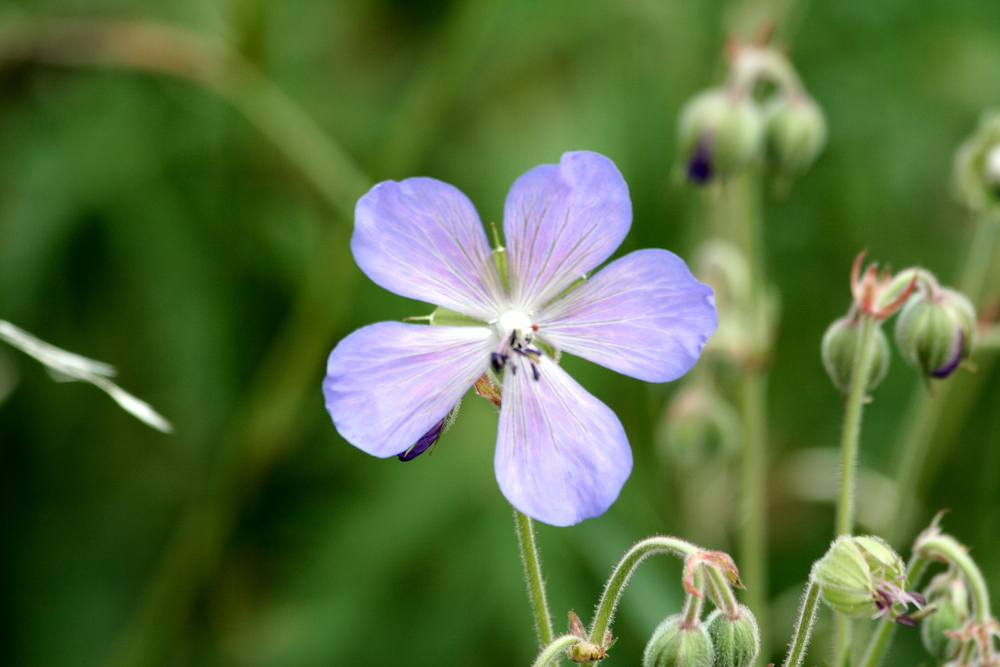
[{"x": 516, "y": 334}]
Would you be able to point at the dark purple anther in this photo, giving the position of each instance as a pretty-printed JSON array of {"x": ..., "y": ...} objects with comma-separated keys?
[
  {"x": 907, "y": 621},
  {"x": 699, "y": 167},
  {"x": 957, "y": 354},
  {"x": 535, "y": 373},
  {"x": 498, "y": 361},
  {"x": 920, "y": 599},
  {"x": 425, "y": 441}
]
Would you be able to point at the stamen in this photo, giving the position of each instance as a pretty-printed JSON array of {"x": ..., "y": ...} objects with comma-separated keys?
[
  {"x": 498, "y": 361},
  {"x": 535, "y": 372}
]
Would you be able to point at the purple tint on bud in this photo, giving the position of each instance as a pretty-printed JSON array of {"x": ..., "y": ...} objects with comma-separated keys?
[
  {"x": 700, "y": 166},
  {"x": 957, "y": 354},
  {"x": 907, "y": 621},
  {"x": 424, "y": 443}
]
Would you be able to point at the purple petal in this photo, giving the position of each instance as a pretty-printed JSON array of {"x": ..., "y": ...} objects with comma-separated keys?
[
  {"x": 561, "y": 221},
  {"x": 422, "y": 239},
  {"x": 643, "y": 315},
  {"x": 389, "y": 383},
  {"x": 562, "y": 455}
]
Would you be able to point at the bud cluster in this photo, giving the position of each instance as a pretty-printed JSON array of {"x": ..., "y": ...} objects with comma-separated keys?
[
  {"x": 935, "y": 330},
  {"x": 729, "y": 637},
  {"x": 723, "y": 130}
]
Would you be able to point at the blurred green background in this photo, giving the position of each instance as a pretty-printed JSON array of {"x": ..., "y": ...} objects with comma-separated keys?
[{"x": 177, "y": 182}]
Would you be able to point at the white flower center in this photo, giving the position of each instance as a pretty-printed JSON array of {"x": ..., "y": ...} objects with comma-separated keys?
[
  {"x": 515, "y": 349},
  {"x": 513, "y": 320}
]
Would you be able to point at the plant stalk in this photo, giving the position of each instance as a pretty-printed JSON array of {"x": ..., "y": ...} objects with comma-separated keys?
[{"x": 533, "y": 574}]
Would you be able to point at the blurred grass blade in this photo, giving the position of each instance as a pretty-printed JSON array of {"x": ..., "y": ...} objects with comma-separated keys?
[{"x": 72, "y": 367}]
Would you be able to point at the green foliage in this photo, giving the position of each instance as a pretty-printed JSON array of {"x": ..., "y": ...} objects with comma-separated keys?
[{"x": 191, "y": 230}]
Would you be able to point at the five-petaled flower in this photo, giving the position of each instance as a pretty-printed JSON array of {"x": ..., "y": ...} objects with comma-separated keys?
[{"x": 562, "y": 455}]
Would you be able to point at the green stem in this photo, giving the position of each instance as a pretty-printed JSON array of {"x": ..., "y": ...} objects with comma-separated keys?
[
  {"x": 753, "y": 498},
  {"x": 693, "y": 603},
  {"x": 948, "y": 548},
  {"x": 879, "y": 641},
  {"x": 623, "y": 572},
  {"x": 555, "y": 650},
  {"x": 852, "y": 423},
  {"x": 533, "y": 575},
  {"x": 803, "y": 626},
  {"x": 722, "y": 594},
  {"x": 849, "y": 460}
]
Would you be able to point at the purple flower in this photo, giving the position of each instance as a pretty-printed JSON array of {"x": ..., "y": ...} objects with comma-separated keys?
[{"x": 562, "y": 455}]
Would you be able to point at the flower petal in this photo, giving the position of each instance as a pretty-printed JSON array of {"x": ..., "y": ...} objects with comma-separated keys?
[
  {"x": 389, "y": 383},
  {"x": 643, "y": 315},
  {"x": 562, "y": 455},
  {"x": 422, "y": 239},
  {"x": 561, "y": 221}
]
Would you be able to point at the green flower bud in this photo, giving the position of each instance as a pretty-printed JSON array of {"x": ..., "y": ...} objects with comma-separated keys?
[
  {"x": 796, "y": 132},
  {"x": 861, "y": 576},
  {"x": 674, "y": 645},
  {"x": 736, "y": 641},
  {"x": 977, "y": 164},
  {"x": 840, "y": 347},
  {"x": 698, "y": 425},
  {"x": 719, "y": 133},
  {"x": 947, "y": 591},
  {"x": 935, "y": 331}
]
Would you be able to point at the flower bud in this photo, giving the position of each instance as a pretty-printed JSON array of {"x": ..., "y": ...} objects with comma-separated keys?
[
  {"x": 736, "y": 641},
  {"x": 719, "y": 134},
  {"x": 698, "y": 425},
  {"x": 977, "y": 164},
  {"x": 935, "y": 331},
  {"x": 674, "y": 645},
  {"x": 796, "y": 132},
  {"x": 840, "y": 347},
  {"x": 947, "y": 591},
  {"x": 862, "y": 576}
]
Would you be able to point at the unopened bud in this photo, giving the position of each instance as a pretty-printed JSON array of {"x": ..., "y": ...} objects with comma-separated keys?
[
  {"x": 719, "y": 133},
  {"x": 862, "y": 576},
  {"x": 796, "y": 132},
  {"x": 736, "y": 641},
  {"x": 977, "y": 164},
  {"x": 935, "y": 331},
  {"x": 947, "y": 591},
  {"x": 840, "y": 348},
  {"x": 675, "y": 645},
  {"x": 698, "y": 425}
]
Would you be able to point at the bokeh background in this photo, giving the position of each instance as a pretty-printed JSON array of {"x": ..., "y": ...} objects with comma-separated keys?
[{"x": 177, "y": 182}]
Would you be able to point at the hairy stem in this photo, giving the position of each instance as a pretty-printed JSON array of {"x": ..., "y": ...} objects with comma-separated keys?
[
  {"x": 533, "y": 575},
  {"x": 622, "y": 573},
  {"x": 852, "y": 424},
  {"x": 555, "y": 650},
  {"x": 803, "y": 626}
]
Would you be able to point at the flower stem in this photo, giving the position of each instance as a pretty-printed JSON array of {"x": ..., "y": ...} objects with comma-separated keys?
[
  {"x": 623, "y": 571},
  {"x": 803, "y": 626},
  {"x": 533, "y": 575},
  {"x": 883, "y": 633},
  {"x": 555, "y": 650},
  {"x": 852, "y": 424},
  {"x": 947, "y": 547},
  {"x": 849, "y": 460},
  {"x": 693, "y": 603}
]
